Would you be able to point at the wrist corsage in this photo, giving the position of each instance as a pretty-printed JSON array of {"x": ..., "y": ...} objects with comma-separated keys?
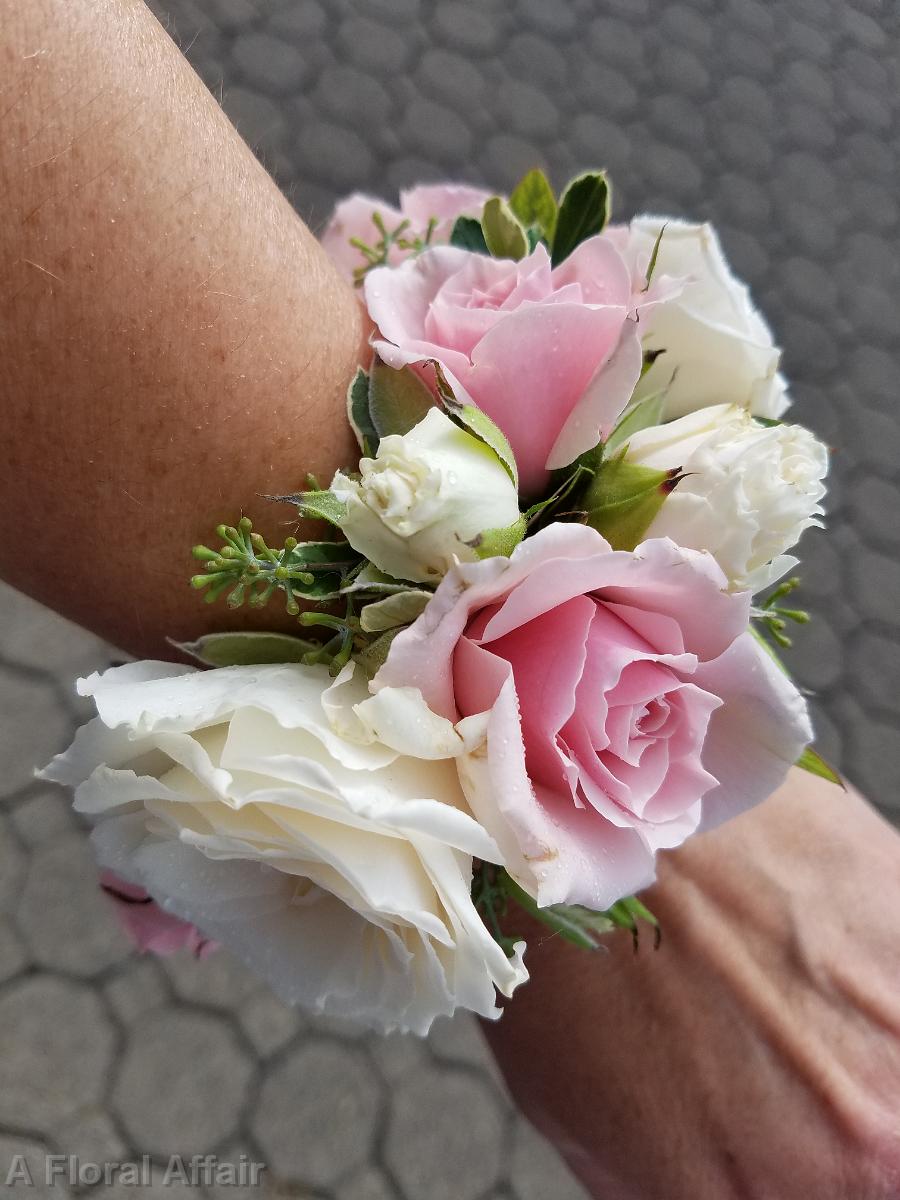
[{"x": 538, "y": 631}]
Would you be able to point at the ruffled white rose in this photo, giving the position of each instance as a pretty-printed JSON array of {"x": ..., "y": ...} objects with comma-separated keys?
[
  {"x": 339, "y": 870},
  {"x": 425, "y": 496},
  {"x": 718, "y": 348},
  {"x": 749, "y": 492}
]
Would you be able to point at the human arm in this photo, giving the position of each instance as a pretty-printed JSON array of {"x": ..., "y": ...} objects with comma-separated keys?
[
  {"x": 173, "y": 342},
  {"x": 756, "y": 1054}
]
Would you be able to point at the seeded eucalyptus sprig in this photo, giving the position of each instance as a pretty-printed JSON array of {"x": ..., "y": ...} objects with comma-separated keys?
[
  {"x": 377, "y": 253},
  {"x": 251, "y": 572},
  {"x": 775, "y": 617},
  {"x": 493, "y": 889}
]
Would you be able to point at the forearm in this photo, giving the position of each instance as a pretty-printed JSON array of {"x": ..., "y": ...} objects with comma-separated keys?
[
  {"x": 672, "y": 1073},
  {"x": 173, "y": 343}
]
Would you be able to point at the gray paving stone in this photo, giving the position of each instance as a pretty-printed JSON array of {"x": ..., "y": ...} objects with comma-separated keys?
[
  {"x": 267, "y": 1022},
  {"x": 12, "y": 867},
  {"x": 537, "y": 1171},
  {"x": 370, "y": 1184},
  {"x": 458, "y": 1039},
  {"x": 37, "y": 638},
  {"x": 181, "y": 1083},
  {"x": 445, "y": 1137},
  {"x": 219, "y": 980},
  {"x": 13, "y": 953},
  {"x": 43, "y": 817},
  {"x": 18, "y": 1153},
  {"x": 92, "y": 1137},
  {"x": 35, "y": 726},
  {"x": 316, "y": 1114},
  {"x": 56, "y": 1044},
  {"x": 269, "y": 63},
  {"x": 137, "y": 989},
  {"x": 398, "y": 1054},
  {"x": 67, "y": 921}
]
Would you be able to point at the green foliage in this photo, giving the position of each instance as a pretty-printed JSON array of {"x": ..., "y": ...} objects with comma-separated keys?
[
  {"x": 251, "y": 572},
  {"x": 534, "y": 203},
  {"x": 651, "y": 266},
  {"x": 622, "y": 499},
  {"x": 476, "y": 422},
  {"x": 398, "y": 400},
  {"x": 401, "y": 608},
  {"x": 320, "y": 506},
  {"x": 640, "y": 414},
  {"x": 493, "y": 889},
  {"x": 468, "y": 235},
  {"x": 503, "y": 234},
  {"x": 583, "y": 213},
  {"x": 377, "y": 253},
  {"x": 244, "y": 648},
  {"x": 813, "y": 762},
  {"x": 359, "y": 416},
  {"x": 774, "y": 617},
  {"x": 493, "y": 542}
]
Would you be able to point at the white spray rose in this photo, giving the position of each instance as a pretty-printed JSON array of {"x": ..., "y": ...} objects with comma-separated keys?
[
  {"x": 424, "y": 497},
  {"x": 337, "y": 869},
  {"x": 749, "y": 492},
  {"x": 718, "y": 348}
]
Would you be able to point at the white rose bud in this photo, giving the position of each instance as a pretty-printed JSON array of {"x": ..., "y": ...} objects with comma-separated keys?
[
  {"x": 749, "y": 493},
  {"x": 425, "y": 496},
  {"x": 718, "y": 348}
]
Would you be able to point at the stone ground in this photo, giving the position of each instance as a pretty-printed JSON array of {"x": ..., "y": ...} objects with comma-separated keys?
[{"x": 778, "y": 122}]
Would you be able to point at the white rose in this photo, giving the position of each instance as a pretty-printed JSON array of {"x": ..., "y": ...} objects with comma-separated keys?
[
  {"x": 424, "y": 497},
  {"x": 749, "y": 492},
  {"x": 338, "y": 870},
  {"x": 718, "y": 348}
]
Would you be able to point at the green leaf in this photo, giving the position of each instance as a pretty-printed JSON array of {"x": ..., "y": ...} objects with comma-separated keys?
[
  {"x": 247, "y": 649},
  {"x": 370, "y": 579},
  {"x": 578, "y": 925},
  {"x": 320, "y": 506},
  {"x": 503, "y": 234},
  {"x": 622, "y": 499},
  {"x": 468, "y": 235},
  {"x": 373, "y": 658},
  {"x": 639, "y": 415},
  {"x": 402, "y": 608},
  {"x": 359, "y": 415},
  {"x": 534, "y": 203},
  {"x": 651, "y": 266},
  {"x": 476, "y": 422},
  {"x": 813, "y": 762},
  {"x": 583, "y": 213},
  {"x": 398, "y": 400},
  {"x": 500, "y": 542}
]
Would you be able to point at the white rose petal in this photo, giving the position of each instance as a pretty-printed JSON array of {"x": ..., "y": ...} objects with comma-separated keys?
[
  {"x": 339, "y": 870},
  {"x": 749, "y": 492},
  {"x": 424, "y": 497},
  {"x": 718, "y": 348}
]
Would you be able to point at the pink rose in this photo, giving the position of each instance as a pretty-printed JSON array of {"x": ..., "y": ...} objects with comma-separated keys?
[
  {"x": 148, "y": 926},
  {"x": 533, "y": 346},
  {"x": 352, "y": 218},
  {"x": 628, "y": 705}
]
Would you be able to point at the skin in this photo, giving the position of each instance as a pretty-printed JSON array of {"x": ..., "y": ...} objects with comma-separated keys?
[{"x": 162, "y": 312}]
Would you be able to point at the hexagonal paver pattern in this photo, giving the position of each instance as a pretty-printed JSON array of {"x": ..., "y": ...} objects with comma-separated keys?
[
  {"x": 23, "y": 1170},
  {"x": 219, "y": 980},
  {"x": 68, "y": 922},
  {"x": 55, "y": 1048},
  {"x": 315, "y": 1120},
  {"x": 537, "y": 1170},
  {"x": 35, "y": 726},
  {"x": 182, "y": 1081},
  {"x": 444, "y": 1136}
]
